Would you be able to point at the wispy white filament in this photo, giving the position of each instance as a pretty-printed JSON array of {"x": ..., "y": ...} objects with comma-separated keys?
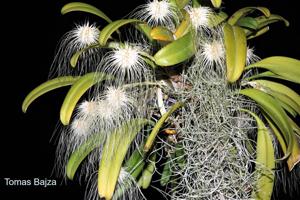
[
  {"x": 125, "y": 63},
  {"x": 199, "y": 16},
  {"x": 213, "y": 52},
  {"x": 158, "y": 13},
  {"x": 81, "y": 37},
  {"x": 251, "y": 57},
  {"x": 85, "y": 35}
]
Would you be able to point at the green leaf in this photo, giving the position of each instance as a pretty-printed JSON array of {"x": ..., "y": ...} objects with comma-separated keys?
[
  {"x": 84, "y": 7},
  {"x": 294, "y": 158},
  {"x": 114, "y": 151},
  {"x": 217, "y": 18},
  {"x": 195, "y": 3},
  {"x": 265, "y": 161},
  {"x": 76, "y": 91},
  {"x": 259, "y": 32},
  {"x": 176, "y": 52},
  {"x": 46, "y": 87},
  {"x": 280, "y": 91},
  {"x": 248, "y": 22},
  {"x": 287, "y": 107},
  {"x": 264, "y": 21},
  {"x": 148, "y": 172},
  {"x": 135, "y": 163},
  {"x": 275, "y": 112},
  {"x": 75, "y": 57},
  {"x": 245, "y": 11},
  {"x": 162, "y": 34},
  {"x": 179, "y": 156},
  {"x": 184, "y": 26},
  {"x": 216, "y": 3},
  {"x": 286, "y": 67},
  {"x": 166, "y": 173},
  {"x": 108, "y": 30},
  {"x": 236, "y": 51},
  {"x": 182, "y": 3},
  {"x": 277, "y": 135},
  {"x": 159, "y": 124},
  {"x": 266, "y": 74},
  {"x": 145, "y": 29},
  {"x": 295, "y": 127},
  {"x": 82, "y": 152}
]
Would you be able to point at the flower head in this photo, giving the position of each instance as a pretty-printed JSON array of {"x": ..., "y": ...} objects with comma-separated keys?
[
  {"x": 158, "y": 13},
  {"x": 85, "y": 35},
  {"x": 125, "y": 63},
  {"x": 80, "y": 127},
  {"x": 81, "y": 37},
  {"x": 199, "y": 16},
  {"x": 213, "y": 52},
  {"x": 117, "y": 97},
  {"x": 88, "y": 109},
  {"x": 126, "y": 57},
  {"x": 114, "y": 103}
]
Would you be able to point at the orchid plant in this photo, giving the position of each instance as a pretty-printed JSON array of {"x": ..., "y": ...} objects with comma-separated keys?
[{"x": 175, "y": 90}]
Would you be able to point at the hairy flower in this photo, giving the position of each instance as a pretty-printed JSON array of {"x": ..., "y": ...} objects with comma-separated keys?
[
  {"x": 158, "y": 13},
  {"x": 199, "y": 16},
  {"x": 213, "y": 52},
  {"x": 80, "y": 127},
  {"x": 81, "y": 37},
  {"x": 85, "y": 35},
  {"x": 125, "y": 63},
  {"x": 88, "y": 109},
  {"x": 115, "y": 104}
]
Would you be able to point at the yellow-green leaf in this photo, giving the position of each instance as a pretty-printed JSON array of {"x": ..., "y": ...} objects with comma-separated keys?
[
  {"x": 166, "y": 173},
  {"x": 148, "y": 172},
  {"x": 162, "y": 34},
  {"x": 82, "y": 152},
  {"x": 84, "y": 7},
  {"x": 195, "y": 3},
  {"x": 46, "y": 87},
  {"x": 76, "y": 91},
  {"x": 109, "y": 29},
  {"x": 294, "y": 158},
  {"x": 295, "y": 127},
  {"x": 284, "y": 92},
  {"x": 265, "y": 162},
  {"x": 145, "y": 29},
  {"x": 248, "y": 22},
  {"x": 182, "y": 3},
  {"x": 236, "y": 51},
  {"x": 75, "y": 57},
  {"x": 217, "y": 18},
  {"x": 184, "y": 26},
  {"x": 263, "y": 21},
  {"x": 289, "y": 68},
  {"x": 266, "y": 74},
  {"x": 135, "y": 159},
  {"x": 113, "y": 154},
  {"x": 259, "y": 32},
  {"x": 245, "y": 11},
  {"x": 277, "y": 135},
  {"x": 176, "y": 52},
  {"x": 159, "y": 124},
  {"x": 216, "y": 3},
  {"x": 275, "y": 112}
]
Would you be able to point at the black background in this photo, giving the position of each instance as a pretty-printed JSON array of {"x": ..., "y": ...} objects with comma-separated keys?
[{"x": 30, "y": 32}]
